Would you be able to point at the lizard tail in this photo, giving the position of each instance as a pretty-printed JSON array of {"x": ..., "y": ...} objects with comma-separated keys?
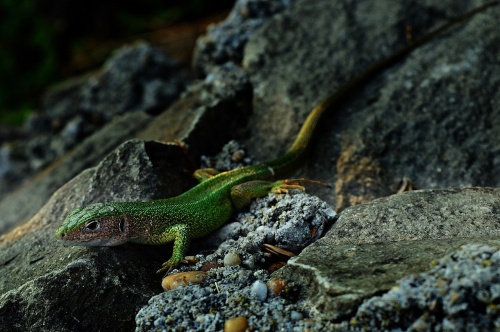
[{"x": 294, "y": 155}]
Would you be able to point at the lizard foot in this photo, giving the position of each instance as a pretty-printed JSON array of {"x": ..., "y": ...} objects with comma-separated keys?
[
  {"x": 169, "y": 265},
  {"x": 406, "y": 185}
]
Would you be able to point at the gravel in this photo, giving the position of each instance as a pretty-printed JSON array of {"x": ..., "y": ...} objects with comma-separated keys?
[
  {"x": 241, "y": 290},
  {"x": 461, "y": 292}
]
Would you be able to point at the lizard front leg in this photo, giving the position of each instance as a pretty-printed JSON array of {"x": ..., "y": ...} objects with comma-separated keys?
[{"x": 181, "y": 235}]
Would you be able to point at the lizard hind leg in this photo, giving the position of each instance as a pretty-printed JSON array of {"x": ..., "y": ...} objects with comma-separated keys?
[
  {"x": 282, "y": 186},
  {"x": 243, "y": 194}
]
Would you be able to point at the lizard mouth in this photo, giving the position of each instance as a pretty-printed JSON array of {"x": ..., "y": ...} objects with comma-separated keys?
[{"x": 88, "y": 242}]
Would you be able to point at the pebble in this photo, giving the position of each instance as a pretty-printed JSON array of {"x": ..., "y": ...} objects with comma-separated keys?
[
  {"x": 238, "y": 324},
  {"x": 200, "y": 319},
  {"x": 159, "y": 322},
  {"x": 232, "y": 259},
  {"x": 183, "y": 278},
  {"x": 259, "y": 290},
  {"x": 276, "y": 286},
  {"x": 295, "y": 315}
]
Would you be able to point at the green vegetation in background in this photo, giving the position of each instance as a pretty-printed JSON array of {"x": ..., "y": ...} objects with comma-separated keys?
[
  {"x": 27, "y": 58},
  {"x": 37, "y": 38}
]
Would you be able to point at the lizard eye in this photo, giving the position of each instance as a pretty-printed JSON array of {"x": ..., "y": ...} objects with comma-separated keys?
[{"x": 93, "y": 225}]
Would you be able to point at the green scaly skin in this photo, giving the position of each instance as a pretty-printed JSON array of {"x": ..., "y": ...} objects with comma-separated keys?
[{"x": 207, "y": 206}]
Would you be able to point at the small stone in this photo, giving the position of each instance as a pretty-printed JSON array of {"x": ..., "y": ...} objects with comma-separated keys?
[
  {"x": 238, "y": 324},
  {"x": 183, "y": 278},
  {"x": 200, "y": 319},
  {"x": 276, "y": 286},
  {"x": 232, "y": 259},
  {"x": 259, "y": 290},
  {"x": 295, "y": 315},
  {"x": 209, "y": 266},
  {"x": 420, "y": 325},
  {"x": 159, "y": 322},
  {"x": 192, "y": 260},
  {"x": 237, "y": 156}
]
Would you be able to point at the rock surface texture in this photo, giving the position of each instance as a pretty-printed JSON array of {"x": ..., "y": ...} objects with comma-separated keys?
[{"x": 432, "y": 118}]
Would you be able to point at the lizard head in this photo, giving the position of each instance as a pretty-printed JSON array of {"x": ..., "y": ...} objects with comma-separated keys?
[{"x": 99, "y": 224}]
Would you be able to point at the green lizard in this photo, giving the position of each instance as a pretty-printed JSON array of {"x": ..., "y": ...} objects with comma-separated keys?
[{"x": 207, "y": 206}]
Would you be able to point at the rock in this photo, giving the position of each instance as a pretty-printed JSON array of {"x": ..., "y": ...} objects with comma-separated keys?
[
  {"x": 372, "y": 246},
  {"x": 232, "y": 259},
  {"x": 259, "y": 290},
  {"x": 211, "y": 112},
  {"x": 138, "y": 77},
  {"x": 224, "y": 43},
  {"x": 430, "y": 117},
  {"x": 421, "y": 214},
  {"x": 224, "y": 294},
  {"x": 233, "y": 155},
  {"x": 295, "y": 315},
  {"x": 276, "y": 286},
  {"x": 290, "y": 222},
  {"x": 78, "y": 284}
]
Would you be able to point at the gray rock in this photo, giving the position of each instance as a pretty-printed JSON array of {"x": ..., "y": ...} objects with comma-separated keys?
[
  {"x": 233, "y": 155},
  {"x": 207, "y": 308},
  {"x": 421, "y": 214},
  {"x": 431, "y": 117},
  {"x": 225, "y": 42},
  {"x": 211, "y": 112},
  {"x": 138, "y": 77},
  {"x": 259, "y": 290},
  {"x": 372, "y": 246}
]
